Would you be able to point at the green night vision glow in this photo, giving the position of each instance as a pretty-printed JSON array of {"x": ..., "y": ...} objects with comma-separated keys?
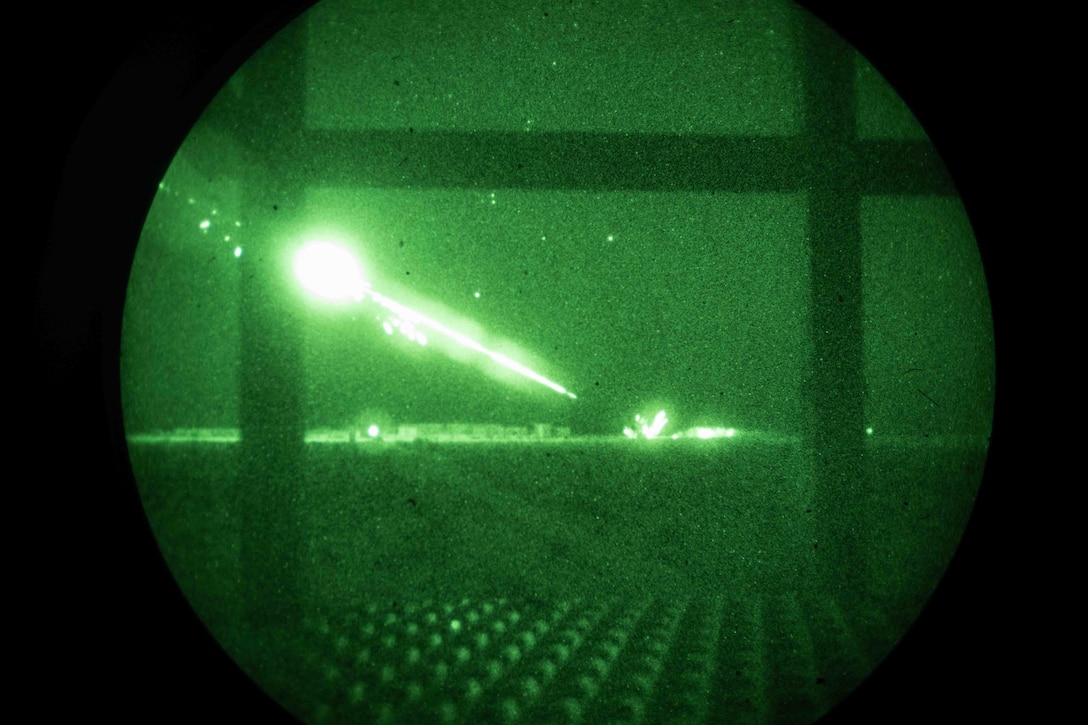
[{"x": 715, "y": 221}]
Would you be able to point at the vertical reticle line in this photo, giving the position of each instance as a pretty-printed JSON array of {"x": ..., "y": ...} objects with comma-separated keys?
[{"x": 835, "y": 390}]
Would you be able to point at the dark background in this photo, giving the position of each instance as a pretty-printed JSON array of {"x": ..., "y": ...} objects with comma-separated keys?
[{"x": 107, "y": 96}]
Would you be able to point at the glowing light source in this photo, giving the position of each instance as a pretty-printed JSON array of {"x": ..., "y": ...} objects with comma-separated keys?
[
  {"x": 330, "y": 272},
  {"x": 373, "y": 431},
  {"x": 237, "y": 251},
  {"x": 707, "y": 433},
  {"x": 648, "y": 430}
]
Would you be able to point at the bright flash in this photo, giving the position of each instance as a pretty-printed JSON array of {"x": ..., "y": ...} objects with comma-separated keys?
[
  {"x": 648, "y": 430},
  {"x": 330, "y": 272}
]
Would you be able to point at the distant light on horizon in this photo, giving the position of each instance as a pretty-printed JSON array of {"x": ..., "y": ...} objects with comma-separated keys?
[
  {"x": 704, "y": 433},
  {"x": 651, "y": 430}
]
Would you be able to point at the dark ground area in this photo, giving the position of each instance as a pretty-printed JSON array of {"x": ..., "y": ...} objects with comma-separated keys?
[
  {"x": 549, "y": 520},
  {"x": 598, "y": 523}
]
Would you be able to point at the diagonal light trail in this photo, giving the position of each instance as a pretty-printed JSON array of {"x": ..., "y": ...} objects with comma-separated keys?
[
  {"x": 331, "y": 272},
  {"x": 420, "y": 320}
]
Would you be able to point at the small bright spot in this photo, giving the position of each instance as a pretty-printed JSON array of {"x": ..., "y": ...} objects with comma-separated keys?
[
  {"x": 237, "y": 251},
  {"x": 226, "y": 238},
  {"x": 610, "y": 237},
  {"x": 387, "y": 327},
  {"x": 237, "y": 224},
  {"x": 455, "y": 625},
  {"x": 477, "y": 295},
  {"x": 729, "y": 432},
  {"x": 373, "y": 431},
  {"x": 214, "y": 212},
  {"x": 869, "y": 430},
  {"x": 205, "y": 224},
  {"x": 192, "y": 200}
]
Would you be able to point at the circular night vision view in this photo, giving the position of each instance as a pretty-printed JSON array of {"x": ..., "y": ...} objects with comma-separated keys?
[{"x": 574, "y": 363}]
